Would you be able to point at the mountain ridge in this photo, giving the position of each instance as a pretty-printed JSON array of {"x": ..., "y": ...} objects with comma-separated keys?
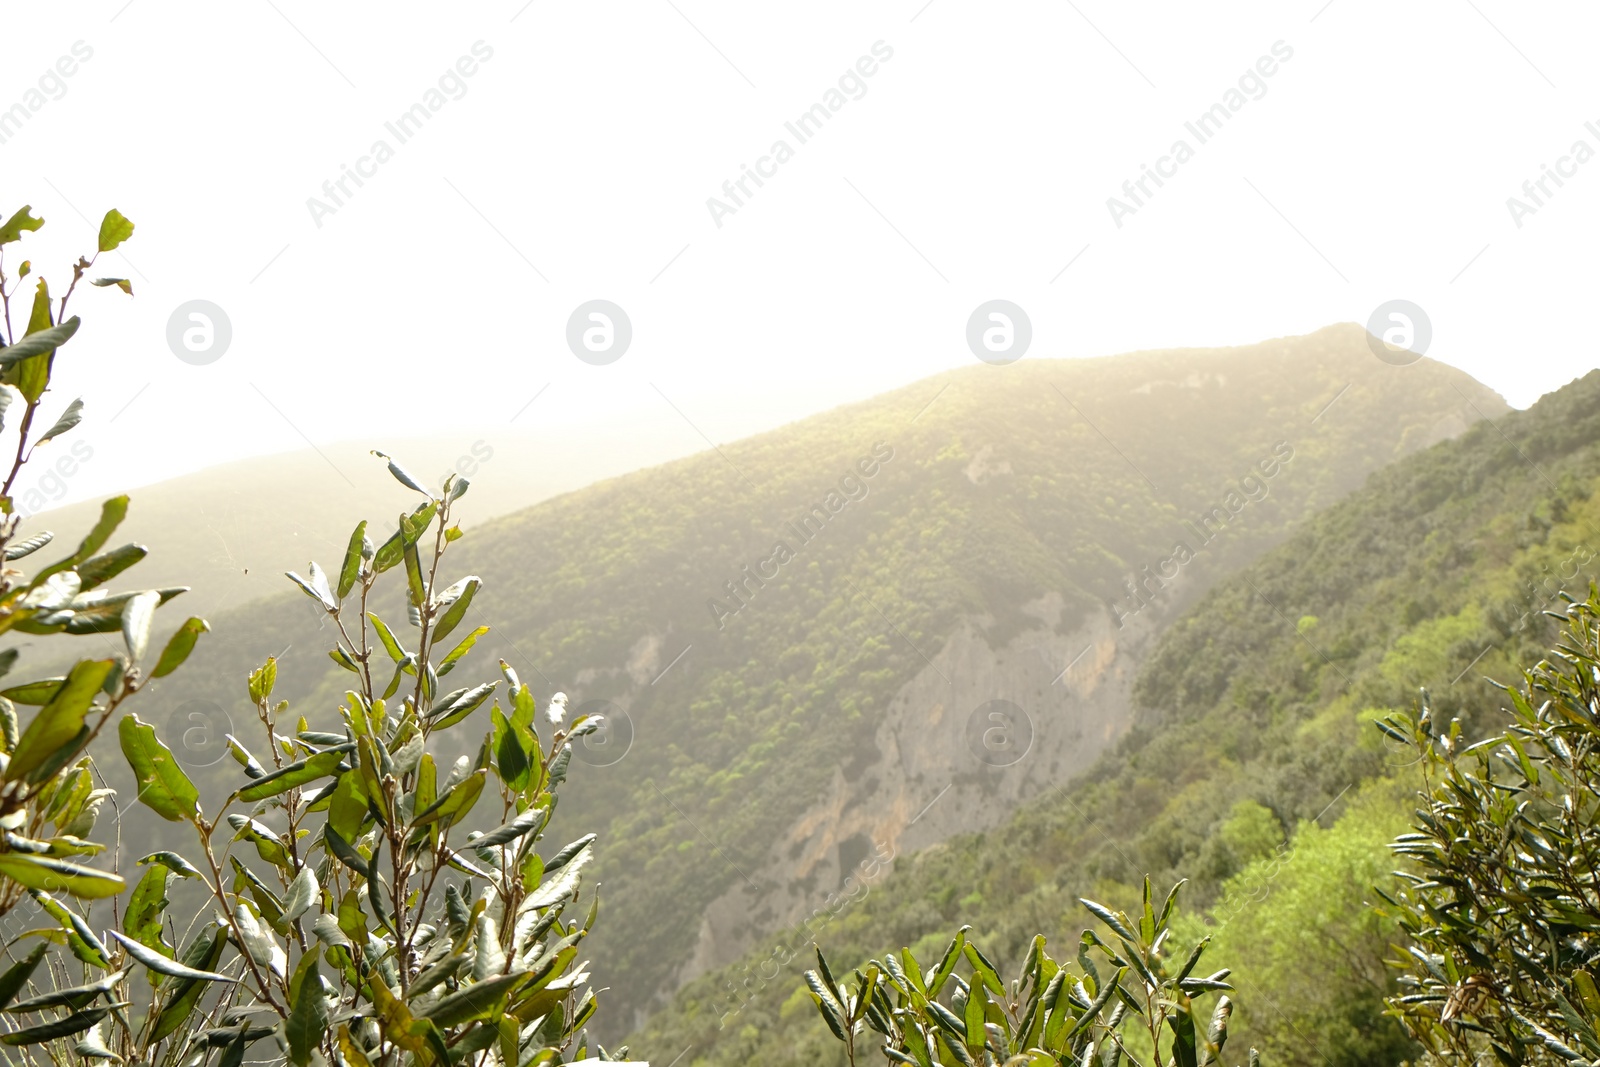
[
  {"x": 1256, "y": 704},
  {"x": 1018, "y": 504}
]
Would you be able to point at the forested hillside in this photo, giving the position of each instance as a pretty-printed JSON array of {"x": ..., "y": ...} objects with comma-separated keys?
[
  {"x": 1252, "y": 767},
  {"x": 757, "y": 614}
]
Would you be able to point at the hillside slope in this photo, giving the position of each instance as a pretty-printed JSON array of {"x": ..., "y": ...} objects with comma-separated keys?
[
  {"x": 840, "y": 634},
  {"x": 1260, "y": 698},
  {"x": 230, "y": 531}
]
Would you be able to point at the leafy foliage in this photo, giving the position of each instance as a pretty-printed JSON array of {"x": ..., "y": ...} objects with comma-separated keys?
[
  {"x": 1501, "y": 910},
  {"x": 49, "y": 800},
  {"x": 1307, "y": 950},
  {"x": 370, "y": 925},
  {"x": 1050, "y": 1015}
]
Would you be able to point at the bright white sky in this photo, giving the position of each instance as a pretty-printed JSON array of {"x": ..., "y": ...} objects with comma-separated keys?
[{"x": 578, "y": 164}]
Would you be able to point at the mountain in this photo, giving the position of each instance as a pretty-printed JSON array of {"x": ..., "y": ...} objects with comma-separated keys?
[
  {"x": 230, "y": 531},
  {"x": 1250, "y": 749},
  {"x": 878, "y": 627}
]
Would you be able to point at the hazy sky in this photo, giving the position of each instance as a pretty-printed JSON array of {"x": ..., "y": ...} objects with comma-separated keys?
[{"x": 570, "y": 150}]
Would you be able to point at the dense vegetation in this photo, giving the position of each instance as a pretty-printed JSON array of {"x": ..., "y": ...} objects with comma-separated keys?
[
  {"x": 985, "y": 491},
  {"x": 1256, "y": 723},
  {"x": 1499, "y": 906},
  {"x": 441, "y": 942},
  {"x": 1145, "y": 1001}
]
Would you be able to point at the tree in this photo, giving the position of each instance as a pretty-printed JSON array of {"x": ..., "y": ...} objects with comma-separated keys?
[
  {"x": 440, "y": 945},
  {"x": 1050, "y": 1015},
  {"x": 1502, "y": 906},
  {"x": 1307, "y": 950},
  {"x": 369, "y": 927},
  {"x": 49, "y": 800}
]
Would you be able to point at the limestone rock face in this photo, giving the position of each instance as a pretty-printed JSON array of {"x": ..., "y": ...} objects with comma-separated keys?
[{"x": 979, "y": 730}]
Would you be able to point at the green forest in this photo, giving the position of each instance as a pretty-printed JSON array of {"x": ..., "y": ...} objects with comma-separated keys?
[
  {"x": 1341, "y": 709},
  {"x": 1253, "y": 768}
]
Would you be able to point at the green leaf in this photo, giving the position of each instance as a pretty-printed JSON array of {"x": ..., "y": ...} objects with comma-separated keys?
[
  {"x": 39, "y": 342},
  {"x": 302, "y": 893},
  {"x": 1092, "y": 1013},
  {"x": 316, "y": 587},
  {"x": 121, "y": 283},
  {"x": 569, "y": 852},
  {"x": 345, "y": 852},
  {"x": 455, "y": 706},
  {"x": 411, "y": 528},
  {"x": 415, "y": 584},
  {"x": 479, "y": 1000},
  {"x": 386, "y": 636},
  {"x": 347, "y": 808},
  {"x": 268, "y": 904},
  {"x": 947, "y": 965},
  {"x": 112, "y": 512},
  {"x": 72, "y": 1024},
  {"x": 9, "y": 730},
  {"x": 326, "y": 928},
  {"x": 518, "y": 827},
  {"x": 298, "y": 773},
  {"x": 233, "y": 1052},
  {"x": 241, "y": 756},
  {"x": 1184, "y": 1052},
  {"x": 72, "y": 996},
  {"x": 973, "y": 1017},
  {"x": 564, "y": 884},
  {"x": 16, "y": 976},
  {"x": 1115, "y": 920},
  {"x": 114, "y": 229},
  {"x": 69, "y": 418},
  {"x": 163, "y": 786},
  {"x": 42, "y": 872},
  {"x": 448, "y": 664},
  {"x": 459, "y": 598},
  {"x": 142, "y": 920},
  {"x": 268, "y": 845},
  {"x": 28, "y": 545},
  {"x": 827, "y": 1004},
  {"x": 983, "y": 970},
  {"x": 259, "y": 943},
  {"x": 510, "y": 758},
  {"x": 308, "y": 1018},
  {"x": 138, "y": 615},
  {"x": 61, "y": 720},
  {"x": 454, "y": 805},
  {"x": 203, "y": 954},
  {"x": 351, "y": 570},
  {"x": 35, "y": 693},
  {"x": 31, "y": 374},
  {"x": 24, "y": 219},
  {"x": 172, "y": 862},
  {"x": 401, "y": 476},
  {"x": 82, "y": 940},
  {"x": 92, "y": 1046},
  {"x": 179, "y": 645},
  {"x": 97, "y": 570}
]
